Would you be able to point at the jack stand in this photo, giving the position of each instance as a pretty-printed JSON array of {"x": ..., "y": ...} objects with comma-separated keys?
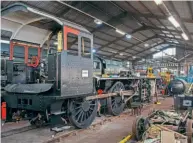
[
  {"x": 58, "y": 124},
  {"x": 156, "y": 102}
]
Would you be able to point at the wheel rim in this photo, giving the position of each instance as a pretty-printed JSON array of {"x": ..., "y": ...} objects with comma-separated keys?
[
  {"x": 82, "y": 113},
  {"x": 115, "y": 103},
  {"x": 139, "y": 127}
]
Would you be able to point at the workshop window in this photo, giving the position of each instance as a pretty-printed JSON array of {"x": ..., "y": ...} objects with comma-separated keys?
[
  {"x": 85, "y": 47},
  {"x": 72, "y": 44},
  {"x": 31, "y": 53},
  {"x": 18, "y": 53},
  {"x": 165, "y": 53}
]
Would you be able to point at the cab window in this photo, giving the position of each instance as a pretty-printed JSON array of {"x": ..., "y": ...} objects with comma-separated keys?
[{"x": 96, "y": 65}]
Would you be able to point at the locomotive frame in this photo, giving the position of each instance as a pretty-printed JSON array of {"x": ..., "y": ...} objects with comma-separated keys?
[{"x": 69, "y": 91}]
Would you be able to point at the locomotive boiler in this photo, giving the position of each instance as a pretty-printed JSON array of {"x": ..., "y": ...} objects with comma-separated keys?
[{"x": 68, "y": 89}]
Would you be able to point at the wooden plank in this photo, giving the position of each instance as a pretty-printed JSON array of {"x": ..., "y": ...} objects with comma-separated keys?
[
  {"x": 124, "y": 93},
  {"x": 176, "y": 133},
  {"x": 129, "y": 98},
  {"x": 167, "y": 137}
]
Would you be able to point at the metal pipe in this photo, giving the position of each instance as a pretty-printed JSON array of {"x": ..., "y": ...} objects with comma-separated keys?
[{"x": 126, "y": 139}]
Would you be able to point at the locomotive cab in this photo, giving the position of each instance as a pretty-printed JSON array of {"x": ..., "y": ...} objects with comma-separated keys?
[{"x": 70, "y": 69}]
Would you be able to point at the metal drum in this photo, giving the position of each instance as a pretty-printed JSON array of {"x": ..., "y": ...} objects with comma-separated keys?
[{"x": 177, "y": 87}]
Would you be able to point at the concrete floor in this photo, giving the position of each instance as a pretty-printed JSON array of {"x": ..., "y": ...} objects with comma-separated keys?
[
  {"x": 113, "y": 132},
  {"x": 109, "y": 132}
]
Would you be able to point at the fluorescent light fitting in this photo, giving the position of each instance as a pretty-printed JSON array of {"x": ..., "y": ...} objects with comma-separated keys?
[
  {"x": 121, "y": 54},
  {"x": 174, "y": 58},
  {"x": 134, "y": 57},
  {"x": 173, "y": 21},
  {"x": 128, "y": 36},
  {"x": 185, "y": 36},
  {"x": 120, "y": 32},
  {"x": 4, "y": 41},
  {"x": 114, "y": 52},
  {"x": 146, "y": 45},
  {"x": 176, "y": 42},
  {"x": 93, "y": 50},
  {"x": 98, "y": 22},
  {"x": 158, "y": 2}
]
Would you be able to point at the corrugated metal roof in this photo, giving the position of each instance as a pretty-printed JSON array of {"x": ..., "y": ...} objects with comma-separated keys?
[{"x": 137, "y": 14}]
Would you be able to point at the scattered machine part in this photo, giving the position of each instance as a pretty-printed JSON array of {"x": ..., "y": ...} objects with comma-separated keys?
[
  {"x": 179, "y": 123},
  {"x": 156, "y": 133}
]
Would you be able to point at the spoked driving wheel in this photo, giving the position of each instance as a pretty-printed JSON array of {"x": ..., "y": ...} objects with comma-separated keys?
[
  {"x": 81, "y": 113},
  {"x": 115, "y": 104},
  {"x": 140, "y": 125}
]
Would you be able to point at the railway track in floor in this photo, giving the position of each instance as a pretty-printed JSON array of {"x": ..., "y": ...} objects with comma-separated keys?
[
  {"x": 57, "y": 137},
  {"x": 17, "y": 131},
  {"x": 28, "y": 128},
  {"x": 61, "y": 137}
]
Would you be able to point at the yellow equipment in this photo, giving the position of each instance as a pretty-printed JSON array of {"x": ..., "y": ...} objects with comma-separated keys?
[
  {"x": 127, "y": 138},
  {"x": 150, "y": 73},
  {"x": 166, "y": 76},
  {"x": 59, "y": 48}
]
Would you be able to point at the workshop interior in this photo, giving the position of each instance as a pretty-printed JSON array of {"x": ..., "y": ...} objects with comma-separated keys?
[{"x": 96, "y": 71}]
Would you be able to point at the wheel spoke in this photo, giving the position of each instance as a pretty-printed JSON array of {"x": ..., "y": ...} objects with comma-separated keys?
[
  {"x": 116, "y": 88},
  {"x": 85, "y": 116},
  {"x": 79, "y": 116},
  {"x": 82, "y": 112},
  {"x": 113, "y": 103},
  {"x": 114, "y": 106},
  {"x": 91, "y": 109},
  {"x": 82, "y": 117},
  {"x": 77, "y": 108},
  {"x": 77, "y": 112},
  {"x": 88, "y": 114},
  {"x": 76, "y": 102}
]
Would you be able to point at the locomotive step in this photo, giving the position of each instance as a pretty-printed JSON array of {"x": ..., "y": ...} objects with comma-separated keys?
[
  {"x": 58, "y": 113},
  {"x": 60, "y": 129}
]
